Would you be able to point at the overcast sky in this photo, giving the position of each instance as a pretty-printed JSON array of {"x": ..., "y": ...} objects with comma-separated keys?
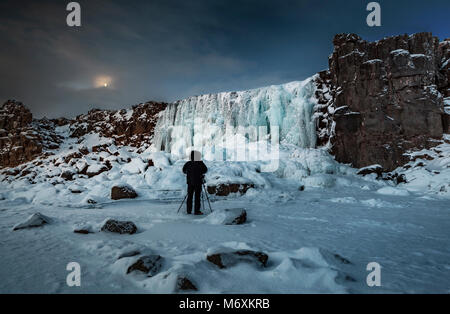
[{"x": 166, "y": 50}]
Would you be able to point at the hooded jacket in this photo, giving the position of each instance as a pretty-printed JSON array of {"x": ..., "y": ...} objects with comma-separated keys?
[{"x": 195, "y": 170}]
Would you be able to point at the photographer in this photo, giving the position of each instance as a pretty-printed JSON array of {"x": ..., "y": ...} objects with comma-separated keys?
[{"x": 195, "y": 170}]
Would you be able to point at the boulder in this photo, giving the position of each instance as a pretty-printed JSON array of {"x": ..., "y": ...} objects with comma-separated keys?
[
  {"x": 238, "y": 216},
  {"x": 225, "y": 189},
  {"x": 122, "y": 227},
  {"x": 184, "y": 284},
  {"x": 149, "y": 264},
  {"x": 121, "y": 192},
  {"x": 377, "y": 169},
  {"x": 228, "y": 259},
  {"x": 394, "y": 177},
  {"x": 82, "y": 231},
  {"x": 95, "y": 170},
  {"x": 235, "y": 216},
  {"x": 33, "y": 221},
  {"x": 67, "y": 175},
  {"x": 85, "y": 228}
]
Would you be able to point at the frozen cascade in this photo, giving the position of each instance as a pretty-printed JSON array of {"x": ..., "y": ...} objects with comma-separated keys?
[{"x": 213, "y": 121}]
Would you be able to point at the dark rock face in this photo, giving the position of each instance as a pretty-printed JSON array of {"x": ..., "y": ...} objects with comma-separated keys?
[
  {"x": 18, "y": 141},
  {"x": 121, "y": 192},
  {"x": 122, "y": 227},
  {"x": 444, "y": 82},
  {"x": 228, "y": 259},
  {"x": 226, "y": 189},
  {"x": 385, "y": 98},
  {"x": 149, "y": 265}
]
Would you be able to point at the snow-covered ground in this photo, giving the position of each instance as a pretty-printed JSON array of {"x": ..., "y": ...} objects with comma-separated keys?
[{"x": 305, "y": 233}]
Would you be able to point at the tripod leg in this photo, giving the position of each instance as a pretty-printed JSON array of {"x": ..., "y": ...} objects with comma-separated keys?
[
  {"x": 203, "y": 201},
  {"x": 182, "y": 203},
  {"x": 207, "y": 197}
]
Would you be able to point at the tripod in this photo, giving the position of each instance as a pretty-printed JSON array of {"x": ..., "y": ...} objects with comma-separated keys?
[{"x": 204, "y": 192}]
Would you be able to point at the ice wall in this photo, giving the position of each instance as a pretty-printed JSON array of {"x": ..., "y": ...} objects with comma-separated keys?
[{"x": 227, "y": 120}]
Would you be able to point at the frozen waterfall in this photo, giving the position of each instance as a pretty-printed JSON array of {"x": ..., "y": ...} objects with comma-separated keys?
[{"x": 221, "y": 124}]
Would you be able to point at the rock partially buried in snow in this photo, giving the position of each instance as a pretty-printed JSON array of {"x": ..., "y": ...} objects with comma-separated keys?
[
  {"x": 226, "y": 189},
  {"x": 85, "y": 228},
  {"x": 228, "y": 259},
  {"x": 82, "y": 231},
  {"x": 129, "y": 254},
  {"x": 377, "y": 169},
  {"x": 67, "y": 175},
  {"x": 149, "y": 264},
  {"x": 95, "y": 170},
  {"x": 122, "y": 227},
  {"x": 35, "y": 220},
  {"x": 184, "y": 284},
  {"x": 235, "y": 216},
  {"x": 123, "y": 191}
]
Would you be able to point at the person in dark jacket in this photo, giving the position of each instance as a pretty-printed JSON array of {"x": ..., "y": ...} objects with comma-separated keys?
[{"x": 195, "y": 170}]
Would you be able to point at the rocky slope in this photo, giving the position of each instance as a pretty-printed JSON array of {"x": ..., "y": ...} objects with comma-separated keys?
[
  {"x": 23, "y": 139},
  {"x": 381, "y": 99}
]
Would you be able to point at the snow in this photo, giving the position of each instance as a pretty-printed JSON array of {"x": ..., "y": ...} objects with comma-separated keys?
[
  {"x": 447, "y": 105},
  {"x": 374, "y": 61},
  {"x": 135, "y": 166},
  {"x": 429, "y": 176},
  {"x": 400, "y": 52},
  {"x": 393, "y": 191},
  {"x": 300, "y": 231},
  {"x": 94, "y": 168}
]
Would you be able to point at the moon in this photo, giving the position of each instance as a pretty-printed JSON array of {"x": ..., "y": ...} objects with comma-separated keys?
[{"x": 102, "y": 81}]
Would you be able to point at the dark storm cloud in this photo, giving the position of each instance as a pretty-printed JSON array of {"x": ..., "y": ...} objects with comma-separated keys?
[{"x": 167, "y": 50}]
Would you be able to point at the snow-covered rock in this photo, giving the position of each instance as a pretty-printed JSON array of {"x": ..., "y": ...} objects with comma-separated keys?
[
  {"x": 35, "y": 220},
  {"x": 184, "y": 284},
  {"x": 123, "y": 191},
  {"x": 148, "y": 264},
  {"x": 225, "y": 189},
  {"x": 122, "y": 227},
  {"x": 229, "y": 258},
  {"x": 235, "y": 216},
  {"x": 377, "y": 169}
]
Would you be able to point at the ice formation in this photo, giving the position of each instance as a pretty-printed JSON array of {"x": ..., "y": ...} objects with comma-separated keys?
[{"x": 217, "y": 124}]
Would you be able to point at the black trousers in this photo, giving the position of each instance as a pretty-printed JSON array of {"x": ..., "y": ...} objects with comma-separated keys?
[{"x": 197, "y": 189}]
